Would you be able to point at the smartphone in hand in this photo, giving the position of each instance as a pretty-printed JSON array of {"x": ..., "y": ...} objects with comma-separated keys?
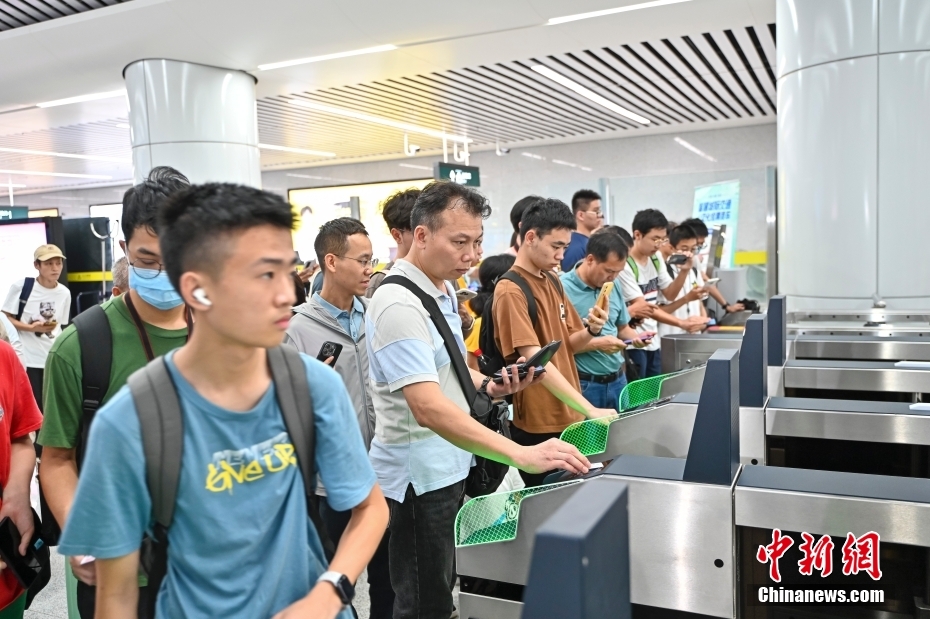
[{"x": 327, "y": 350}]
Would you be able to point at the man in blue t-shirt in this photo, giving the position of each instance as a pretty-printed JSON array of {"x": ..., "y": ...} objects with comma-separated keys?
[
  {"x": 600, "y": 362},
  {"x": 589, "y": 216},
  {"x": 241, "y": 543}
]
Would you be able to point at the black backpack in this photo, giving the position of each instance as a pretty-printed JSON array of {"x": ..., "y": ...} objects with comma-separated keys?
[
  {"x": 162, "y": 426},
  {"x": 486, "y": 475},
  {"x": 492, "y": 360}
]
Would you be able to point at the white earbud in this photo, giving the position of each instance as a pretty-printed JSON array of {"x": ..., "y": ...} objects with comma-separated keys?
[{"x": 201, "y": 296}]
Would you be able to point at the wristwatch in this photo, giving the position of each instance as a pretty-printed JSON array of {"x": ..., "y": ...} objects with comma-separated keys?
[{"x": 344, "y": 589}]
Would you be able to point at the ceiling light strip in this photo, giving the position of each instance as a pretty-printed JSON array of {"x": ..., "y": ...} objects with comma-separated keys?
[
  {"x": 620, "y": 9},
  {"x": 694, "y": 149},
  {"x": 355, "y": 52},
  {"x": 59, "y": 174},
  {"x": 589, "y": 94},
  {"x": 378, "y": 120},
  {"x": 80, "y": 99},
  {"x": 23, "y": 151},
  {"x": 301, "y": 151}
]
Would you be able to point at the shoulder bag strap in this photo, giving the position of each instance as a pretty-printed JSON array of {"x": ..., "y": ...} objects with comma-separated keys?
[
  {"x": 28, "y": 284},
  {"x": 96, "y": 341},
  {"x": 162, "y": 428},
  {"x": 448, "y": 338},
  {"x": 516, "y": 278}
]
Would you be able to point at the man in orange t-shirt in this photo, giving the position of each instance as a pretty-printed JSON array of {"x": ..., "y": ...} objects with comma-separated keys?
[
  {"x": 19, "y": 416},
  {"x": 542, "y": 411}
]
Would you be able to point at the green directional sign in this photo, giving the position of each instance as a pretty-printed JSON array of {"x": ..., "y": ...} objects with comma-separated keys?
[{"x": 461, "y": 174}]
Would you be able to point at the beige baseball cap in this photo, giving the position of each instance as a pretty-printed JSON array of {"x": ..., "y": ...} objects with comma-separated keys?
[{"x": 47, "y": 252}]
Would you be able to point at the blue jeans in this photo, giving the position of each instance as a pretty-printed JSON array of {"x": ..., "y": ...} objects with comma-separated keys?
[
  {"x": 604, "y": 395},
  {"x": 648, "y": 362}
]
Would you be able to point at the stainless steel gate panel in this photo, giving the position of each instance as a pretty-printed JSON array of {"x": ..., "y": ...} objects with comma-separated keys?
[
  {"x": 879, "y": 422},
  {"x": 855, "y": 376}
]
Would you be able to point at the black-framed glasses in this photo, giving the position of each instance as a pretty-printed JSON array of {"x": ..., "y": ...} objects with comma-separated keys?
[
  {"x": 146, "y": 269},
  {"x": 365, "y": 262}
]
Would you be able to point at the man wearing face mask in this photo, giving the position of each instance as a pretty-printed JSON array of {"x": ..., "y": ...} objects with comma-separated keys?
[{"x": 147, "y": 321}]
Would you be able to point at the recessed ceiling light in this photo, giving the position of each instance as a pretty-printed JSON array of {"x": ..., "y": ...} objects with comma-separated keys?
[
  {"x": 13, "y": 185},
  {"x": 301, "y": 151},
  {"x": 415, "y": 167},
  {"x": 122, "y": 125},
  {"x": 589, "y": 94},
  {"x": 571, "y": 165},
  {"x": 533, "y": 156},
  {"x": 47, "y": 153},
  {"x": 694, "y": 149},
  {"x": 620, "y": 9},
  {"x": 61, "y": 174},
  {"x": 378, "y": 120},
  {"x": 92, "y": 97},
  {"x": 354, "y": 52}
]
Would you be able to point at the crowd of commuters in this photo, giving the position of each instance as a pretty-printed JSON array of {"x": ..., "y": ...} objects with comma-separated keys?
[{"x": 227, "y": 437}]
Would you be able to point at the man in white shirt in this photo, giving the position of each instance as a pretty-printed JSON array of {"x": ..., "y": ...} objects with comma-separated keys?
[
  {"x": 642, "y": 279},
  {"x": 682, "y": 239},
  {"x": 38, "y": 308},
  {"x": 700, "y": 228}
]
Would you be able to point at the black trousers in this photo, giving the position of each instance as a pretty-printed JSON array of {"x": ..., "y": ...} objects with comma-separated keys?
[
  {"x": 423, "y": 552},
  {"x": 36, "y": 375},
  {"x": 529, "y": 439},
  {"x": 379, "y": 574}
]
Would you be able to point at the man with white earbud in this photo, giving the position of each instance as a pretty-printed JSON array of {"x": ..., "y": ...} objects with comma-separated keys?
[{"x": 148, "y": 320}]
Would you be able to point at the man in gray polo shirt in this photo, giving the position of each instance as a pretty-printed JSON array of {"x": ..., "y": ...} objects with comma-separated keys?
[{"x": 424, "y": 436}]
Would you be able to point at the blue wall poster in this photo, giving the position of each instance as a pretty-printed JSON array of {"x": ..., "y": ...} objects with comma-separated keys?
[{"x": 716, "y": 205}]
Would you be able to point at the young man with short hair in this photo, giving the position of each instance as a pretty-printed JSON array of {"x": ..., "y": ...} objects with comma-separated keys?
[
  {"x": 20, "y": 416},
  {"x": 424, "y": 434},
  {"x": 396, "y": 213},
  {"x": 543, "y": 411},
  {"x": 337, "y": 314},
  {"x": 146, "y": 321},
  {"x": 600, "y": 363},
  {"x": 682, "y": 239},
  {"x": 702, "y": 233},
  {"x": 240, "y": 542},
  {"x": 39, "y": 314},
  {"x": 642, "y": 279},
  {"x": 589, "y": 216}
]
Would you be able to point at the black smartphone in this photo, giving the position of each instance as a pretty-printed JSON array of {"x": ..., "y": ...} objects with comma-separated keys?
[
  {"x": 538, "y": 360},
  {"x": 25, "y": 568},
  {"x": 327, "y": 350},
  {"x": 676, "y": 259}
]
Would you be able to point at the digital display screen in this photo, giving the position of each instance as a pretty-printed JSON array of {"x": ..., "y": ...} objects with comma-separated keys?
[
  {"x": 18, "y": 243},
  {"x": 318, "y": 205}
]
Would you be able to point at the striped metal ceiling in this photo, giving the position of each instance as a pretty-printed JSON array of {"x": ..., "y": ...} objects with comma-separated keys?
[
  {"x": 19, "y": 13},
  {"x": 717, "y": 76},
  {"x": 723, "y": 76}
]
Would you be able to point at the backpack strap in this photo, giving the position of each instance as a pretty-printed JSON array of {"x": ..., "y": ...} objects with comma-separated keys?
[
  {"x": 293, "y": 391},
  {"x": 655, "y": 262},
  {"x": 516, "y": 278},
  {"x": 633, "y": 267},
  {"x": 96, "y": 341},
  {"x": 162, "y": 427},
  {"x": 28, "y": 284}
]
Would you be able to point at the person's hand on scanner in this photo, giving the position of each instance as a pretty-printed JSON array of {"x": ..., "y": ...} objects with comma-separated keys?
[
  {"x": 551, "y": 455},
  {"x": 511, "y": 381},
  {"x": 735, "y": 307},
  {"x": 694, "y": 324}
]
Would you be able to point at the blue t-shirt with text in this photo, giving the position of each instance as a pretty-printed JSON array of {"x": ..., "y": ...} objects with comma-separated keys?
[{"x": 241, "y": 544}]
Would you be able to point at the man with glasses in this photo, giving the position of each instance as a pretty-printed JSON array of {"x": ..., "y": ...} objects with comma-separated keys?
[
  {"x": 147, "y": 321},
  {"x": 396, "y": 212},
  {"x": 700, "y": 228},
  {"x": 642, "y": 279},
  {"x": 589, "y": 216},
  {"x": 337, "y": 314}
]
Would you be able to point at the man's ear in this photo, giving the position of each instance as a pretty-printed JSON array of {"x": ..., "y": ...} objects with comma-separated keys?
[
  {"x": 420, "y": 235},
  {"x": 329, "y": 262}
]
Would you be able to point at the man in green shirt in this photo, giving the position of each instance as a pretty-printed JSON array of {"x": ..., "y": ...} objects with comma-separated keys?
[{"x": 147, "y": 321}]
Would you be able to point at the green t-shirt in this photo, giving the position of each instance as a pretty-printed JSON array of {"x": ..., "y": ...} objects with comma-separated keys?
[{"x": 61, "y": 425}]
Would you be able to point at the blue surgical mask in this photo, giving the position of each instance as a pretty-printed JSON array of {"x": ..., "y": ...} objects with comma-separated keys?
[{"x": 157, "y": 290}]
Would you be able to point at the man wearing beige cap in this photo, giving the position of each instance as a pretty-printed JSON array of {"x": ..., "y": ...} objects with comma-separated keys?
[{"x": 38, "y": 307}]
